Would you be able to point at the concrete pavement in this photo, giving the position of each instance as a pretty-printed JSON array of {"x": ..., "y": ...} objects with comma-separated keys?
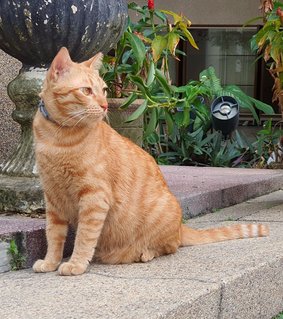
[{"x": 234, "y": 279}]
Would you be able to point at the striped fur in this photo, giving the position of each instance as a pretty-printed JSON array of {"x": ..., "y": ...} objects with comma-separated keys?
[
  {"x": 107, "y": 187},
  {"x": 205, "y": 236}
]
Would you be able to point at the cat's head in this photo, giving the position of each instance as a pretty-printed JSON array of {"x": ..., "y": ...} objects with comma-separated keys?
[{"x": 73, "y": 93}]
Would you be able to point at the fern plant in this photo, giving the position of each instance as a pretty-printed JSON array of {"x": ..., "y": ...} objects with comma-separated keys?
[{"x": 212, "y": 82}]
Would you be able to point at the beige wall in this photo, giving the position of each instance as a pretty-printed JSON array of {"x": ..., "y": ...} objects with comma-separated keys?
[{"x": 208, "y": 12}]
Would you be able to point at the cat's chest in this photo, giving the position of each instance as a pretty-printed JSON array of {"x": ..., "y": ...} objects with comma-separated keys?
[{"x": 62, "y": 176}]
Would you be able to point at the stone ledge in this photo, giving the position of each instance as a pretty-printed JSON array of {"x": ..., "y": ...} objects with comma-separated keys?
[
  {"x": 4, "y": 257},
  {"x": 29, "y": 235},
  {"x": 20, "y": 194},
  {"x": 199, "y": 189}
]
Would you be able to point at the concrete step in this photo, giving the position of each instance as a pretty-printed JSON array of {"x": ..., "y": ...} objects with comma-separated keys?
[
  {"x": 199, "y": 190},
  {"x": 29, "y": 236},
  {"x": 239, "y": 279},
  {"x": 5, "y": 258}
]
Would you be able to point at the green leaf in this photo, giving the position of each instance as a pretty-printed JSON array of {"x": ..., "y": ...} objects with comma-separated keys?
[
  {"x": 263, "y": 33},
  {"x": 186, "y": 118},
  {"x": 151, "y": 126},
  {"x": 138, "y": 112},
  {"x": 160, "y": 15},
  {"x": 133, "y": 6},
  {"x": 210, "y": 80},
  {"x": 178, "y": 18},
  {"x": 169, "y": 121},
  {"x": 173, "y": 40},
  {"x": 253, "y": 44},
  {"x": 136, "y": 80},
  {"x": 153, "y": 138},
  {"x": 252, "y": 21},
  {"x": 126, "y": 55},
  {"x": 178, "y": 118},
  {"x": 151, "y": 74},
  {"x": 243, "y": 141},
  {"x": 180, "y": 52},
  {"x": 136, "y": 7},
  {"x": 158, "y": 44},
  {"x": 128, "y": 101},
  {"x": 243, "y": 99},
  {"x": 137, "y": 46},
  {"x": 265, "y": 108},
  {"x": 163, "y": 81},
  {"x": 188, "y": 35}
]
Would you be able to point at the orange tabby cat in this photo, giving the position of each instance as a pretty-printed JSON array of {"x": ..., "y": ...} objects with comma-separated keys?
[{"x": 109, "y": 188}]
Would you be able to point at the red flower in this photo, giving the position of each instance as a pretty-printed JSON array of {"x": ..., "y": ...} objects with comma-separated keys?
[
  {"x": 150, "y": 4},
  {"x": 279, "y": 12}
]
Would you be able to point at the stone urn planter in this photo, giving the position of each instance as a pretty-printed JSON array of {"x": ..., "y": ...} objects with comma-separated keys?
[
  {"x": 33, "y": 32},
  {"x": 117, "y": 119}
]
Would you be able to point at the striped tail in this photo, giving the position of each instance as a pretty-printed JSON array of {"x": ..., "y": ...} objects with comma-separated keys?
[{"x": 190, "y": 237}]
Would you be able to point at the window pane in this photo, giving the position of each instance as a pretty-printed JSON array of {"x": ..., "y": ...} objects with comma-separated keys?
[{"x": 228, "y": 51}]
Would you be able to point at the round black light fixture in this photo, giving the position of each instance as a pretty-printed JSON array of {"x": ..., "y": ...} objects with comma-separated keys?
[{"x": 225, "y": 114}]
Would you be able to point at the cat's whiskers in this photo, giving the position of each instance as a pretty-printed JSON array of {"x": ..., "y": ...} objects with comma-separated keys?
[
  {"x": 106, "y": 116},
  {"x": 72, "y": 116},
  {"x": 84, "y": 117},
  {"x": 83, "y": 114}
]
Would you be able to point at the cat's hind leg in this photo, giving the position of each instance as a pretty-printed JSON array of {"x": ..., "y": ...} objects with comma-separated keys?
[
  {"x": 56, "y": 232},
  {"x": 128, "y": 255},
  {"x": 119, "y": 255}
]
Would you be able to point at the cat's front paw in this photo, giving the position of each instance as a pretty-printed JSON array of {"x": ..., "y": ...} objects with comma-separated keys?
[
  {"x": 72, "y": 268},
  {"x": 44, "y": 266}
]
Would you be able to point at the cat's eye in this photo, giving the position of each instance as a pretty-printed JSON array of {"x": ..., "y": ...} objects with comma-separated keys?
[
  {"x": 105, "y": 90},
  {"x": 86, "y": 90}
]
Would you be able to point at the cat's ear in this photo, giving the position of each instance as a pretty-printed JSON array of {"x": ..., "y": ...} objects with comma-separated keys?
[
  {"x": 60, "y": 64},
  {"x": 95, "y": 62}
]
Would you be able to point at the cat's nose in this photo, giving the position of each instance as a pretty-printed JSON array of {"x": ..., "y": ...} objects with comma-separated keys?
[{"x": 104, "y": 105}]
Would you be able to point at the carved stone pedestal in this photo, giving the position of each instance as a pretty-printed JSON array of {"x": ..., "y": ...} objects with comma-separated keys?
[{"x": 23, "y": 91}]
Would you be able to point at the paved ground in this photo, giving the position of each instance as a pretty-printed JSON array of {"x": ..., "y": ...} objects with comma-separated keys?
[{"x": 235, "y": 279}]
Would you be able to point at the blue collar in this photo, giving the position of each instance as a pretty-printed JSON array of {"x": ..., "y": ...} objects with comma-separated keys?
[{"x": 44, "y": 112}]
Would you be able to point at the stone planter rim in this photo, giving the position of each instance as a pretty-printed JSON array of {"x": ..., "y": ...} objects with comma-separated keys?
[{"x": 120, "y": 100}]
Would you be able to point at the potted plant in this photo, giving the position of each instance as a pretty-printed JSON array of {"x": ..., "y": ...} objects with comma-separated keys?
[{"x": 141, "y": 55}]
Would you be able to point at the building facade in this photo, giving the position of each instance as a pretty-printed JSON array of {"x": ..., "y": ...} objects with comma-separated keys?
[{"x": 223, "y": 43}]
